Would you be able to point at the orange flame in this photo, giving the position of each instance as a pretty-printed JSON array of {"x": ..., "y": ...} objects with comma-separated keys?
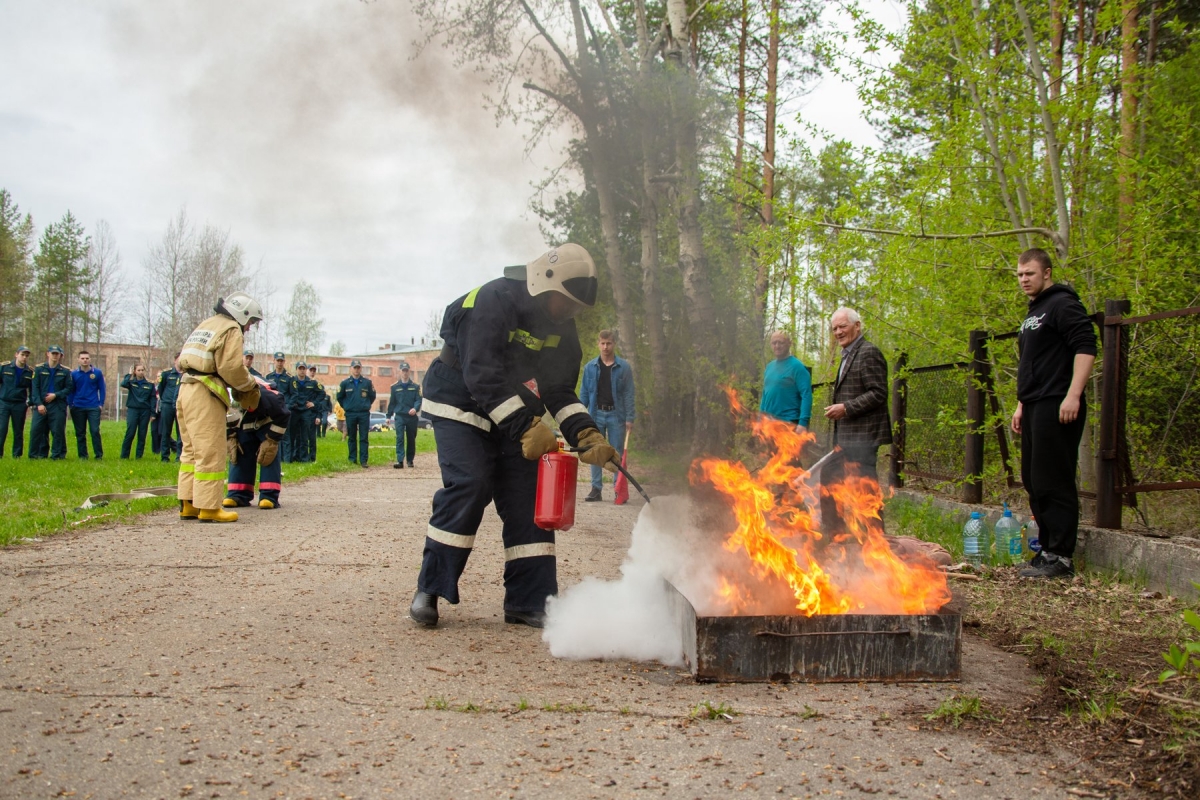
[{"x": 854, "y": 572}]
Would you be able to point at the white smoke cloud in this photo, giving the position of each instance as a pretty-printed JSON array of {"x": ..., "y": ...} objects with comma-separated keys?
[{"x": 631, "y": 618}]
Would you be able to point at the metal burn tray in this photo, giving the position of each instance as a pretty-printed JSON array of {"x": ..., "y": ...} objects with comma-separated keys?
[{"x": 820, "y": 649}]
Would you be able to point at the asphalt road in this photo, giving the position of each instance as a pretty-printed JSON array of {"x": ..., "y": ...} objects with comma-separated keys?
[{"x": 273, "y": 657}]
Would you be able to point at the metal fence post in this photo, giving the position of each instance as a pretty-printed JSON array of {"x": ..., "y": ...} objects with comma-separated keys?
[
  {"x": 1112, "y": 379},
  {"x": 899, "y": 414},
  {"x": 976, "y": 412}
]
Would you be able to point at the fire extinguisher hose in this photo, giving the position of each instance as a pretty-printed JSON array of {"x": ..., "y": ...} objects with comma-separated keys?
[{"x": 623, "y": 471}]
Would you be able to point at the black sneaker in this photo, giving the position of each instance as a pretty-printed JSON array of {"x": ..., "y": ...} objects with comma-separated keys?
[
  {"x": 1056, "y": 568},
  {"x": 593, "y": 496},
  {"x": 397, "y": 465},
  {"x": 534, "y": 619},
  {"x": 410, "y": 465}
]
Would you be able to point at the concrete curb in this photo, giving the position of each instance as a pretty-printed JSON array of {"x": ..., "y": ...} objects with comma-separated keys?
[{"x": 1167, "y": 565}]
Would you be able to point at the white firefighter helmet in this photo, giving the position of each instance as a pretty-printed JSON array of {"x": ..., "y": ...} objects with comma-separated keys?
[
  {"x": 244, "y": 309},
  {"x": 567, "y": 269}
]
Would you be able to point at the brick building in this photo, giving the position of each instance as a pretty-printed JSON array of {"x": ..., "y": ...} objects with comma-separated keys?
[{"x": 116, "y": 360}]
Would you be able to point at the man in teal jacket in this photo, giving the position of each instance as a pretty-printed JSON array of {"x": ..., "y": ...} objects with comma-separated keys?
[{"x": 787, "y": 385}]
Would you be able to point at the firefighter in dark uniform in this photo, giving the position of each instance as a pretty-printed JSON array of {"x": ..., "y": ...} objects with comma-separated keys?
[
  {"x": 318, "y": 410},
  {"x": 357, "y": 395},
  {"x": 324, "y": 407},
  {"x": 405, "y": 403},
  {"x": 298, "y": 402},
  {"x": 258, "y": 434},
  {"x": 16, "y": 379},
  {"x": 511, "y": 354},
  {"x": 168, "y": 395},
  {"x": 138, "y": 409},
  {"x": 48, "y": 399},
  {"x": 248, "y": 361},
  {"x": 281, "y": 382}
]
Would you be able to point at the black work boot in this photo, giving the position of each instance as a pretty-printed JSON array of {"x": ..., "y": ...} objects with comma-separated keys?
[
  {"x": 423, "y": 610},
  {"x": 593, "y": 496},
  {"x": 534, "y": 619}
]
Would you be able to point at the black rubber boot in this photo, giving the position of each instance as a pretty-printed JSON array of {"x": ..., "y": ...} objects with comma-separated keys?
[
  {"x": 423, "y": 610},
  {"x": 534, "y": 619}
]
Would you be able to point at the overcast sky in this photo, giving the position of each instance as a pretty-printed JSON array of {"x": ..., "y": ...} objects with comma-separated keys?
[{"x": 303, "y": 127}]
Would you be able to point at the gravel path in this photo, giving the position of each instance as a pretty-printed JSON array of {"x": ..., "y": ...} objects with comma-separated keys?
[{"x": 274, "y": 657}]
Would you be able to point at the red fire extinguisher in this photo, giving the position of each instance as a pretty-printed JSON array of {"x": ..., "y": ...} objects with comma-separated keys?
[{"x": 554, "y": 508}]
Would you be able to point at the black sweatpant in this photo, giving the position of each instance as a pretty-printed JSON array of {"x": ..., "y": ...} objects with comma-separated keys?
[{"x": 1049, "y": 459}]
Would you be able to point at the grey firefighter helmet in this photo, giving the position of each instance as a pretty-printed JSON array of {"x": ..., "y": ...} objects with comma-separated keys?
[
  {"x": 243, "y": 308},
  {"x": 567, "y": 269}
]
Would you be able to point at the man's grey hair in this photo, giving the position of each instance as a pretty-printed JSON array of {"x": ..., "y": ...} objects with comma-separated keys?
[
  {"x": 851, "y": 315},
  {"x": 784, "y": 334}
]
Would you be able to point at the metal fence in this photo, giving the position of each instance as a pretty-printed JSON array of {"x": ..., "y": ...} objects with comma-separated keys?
[{"x": 951, "y": 423}]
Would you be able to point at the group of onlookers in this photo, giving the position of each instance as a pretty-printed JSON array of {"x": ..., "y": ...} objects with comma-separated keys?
[{"x": 49, "y": 392}]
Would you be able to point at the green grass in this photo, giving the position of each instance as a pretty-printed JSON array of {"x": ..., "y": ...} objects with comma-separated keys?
[
  {"x": 706, "y": 710},
  {"x": 956, "y": 708},
  {"x": 41, "y": 496},
  {"x": 925, "y": 521}
]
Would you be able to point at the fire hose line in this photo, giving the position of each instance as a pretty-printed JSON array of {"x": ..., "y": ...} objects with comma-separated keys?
[{"x": 101, "y": 500}]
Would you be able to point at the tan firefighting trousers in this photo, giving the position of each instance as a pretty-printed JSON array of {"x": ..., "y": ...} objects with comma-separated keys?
[{"x": 202, "y": 462}]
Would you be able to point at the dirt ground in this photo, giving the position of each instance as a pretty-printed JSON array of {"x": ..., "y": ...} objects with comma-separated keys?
[{"x": 274, "y": 657}]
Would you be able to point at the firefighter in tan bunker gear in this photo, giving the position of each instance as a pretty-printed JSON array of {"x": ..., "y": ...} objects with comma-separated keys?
[{"x": 211, "y": 363}]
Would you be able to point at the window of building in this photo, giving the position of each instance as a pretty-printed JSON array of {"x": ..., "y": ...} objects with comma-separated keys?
[
  {"x": 366, "y": 370},
  {"x": 385, "y": 372},
  {"x": 342, "y": 369},
  {"x": 322, "y": 369}
]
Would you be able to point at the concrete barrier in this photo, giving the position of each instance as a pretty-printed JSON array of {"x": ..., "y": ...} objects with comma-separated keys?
[{"x": 1166, "y": 564}]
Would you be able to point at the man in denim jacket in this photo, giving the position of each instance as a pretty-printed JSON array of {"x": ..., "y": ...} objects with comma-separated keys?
[{"x": 607, "y": 391}]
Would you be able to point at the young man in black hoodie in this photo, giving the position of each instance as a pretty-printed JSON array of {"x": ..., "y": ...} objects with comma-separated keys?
[{"x": 1057, "y": 346}]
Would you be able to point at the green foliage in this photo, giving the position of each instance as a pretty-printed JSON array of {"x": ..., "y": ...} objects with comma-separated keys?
[
  {"x": 957, "y": 708},
  {"x": 1183, "y": 659},
  {"x": 706, "y": 710},
  {"x": 437, "y": 703}
]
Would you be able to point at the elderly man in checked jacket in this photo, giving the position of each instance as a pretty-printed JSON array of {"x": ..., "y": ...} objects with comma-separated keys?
[{"x": 859, "y": 412}]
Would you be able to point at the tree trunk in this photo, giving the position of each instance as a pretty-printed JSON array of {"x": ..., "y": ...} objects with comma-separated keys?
[
  {"x": 602, "y": 176},
  {"x": 710, "y": 407},
  {"x": 768, "y": 187},
  {"x": 1127, "y": 144}
]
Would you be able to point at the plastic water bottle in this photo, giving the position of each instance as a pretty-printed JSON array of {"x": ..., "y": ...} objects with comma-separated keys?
[
  {"x": 1031, "y": 537},
  {"x": 976, "y": 540},
  {"x": 1009, "y": 541}
]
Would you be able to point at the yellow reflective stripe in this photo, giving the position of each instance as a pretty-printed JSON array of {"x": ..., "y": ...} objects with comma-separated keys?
[
  {"x": 210, "y": 476},
  {"x": 526, "y": 338},
  {"x": 506, "y": 409},
  {"x": 447, "y": 411},
  {"x": 451, "y": 539},
  {"x": 187, "y": 467},
  {"x": 569, "y": 411},
  {"x": 215, "y": 387},
  {"x": 470, "y": 301},
  {"x": 553, "y": 340},
  {"x": 528, "y": 550}
]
